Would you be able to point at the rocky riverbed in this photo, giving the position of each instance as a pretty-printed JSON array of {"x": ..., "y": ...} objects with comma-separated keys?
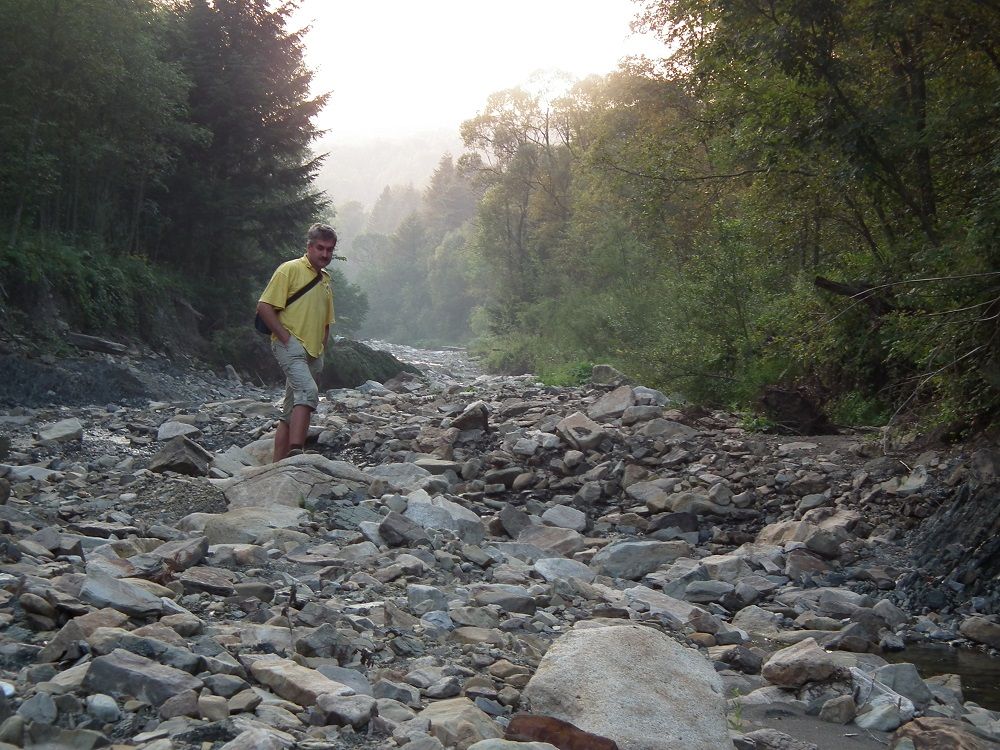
[{"x": 457, "y": 550}]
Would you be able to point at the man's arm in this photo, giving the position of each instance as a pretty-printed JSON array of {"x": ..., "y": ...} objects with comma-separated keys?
[{"x": 270, "y": 317}]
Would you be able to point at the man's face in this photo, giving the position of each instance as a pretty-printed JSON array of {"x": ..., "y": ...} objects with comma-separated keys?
[{"x": 320, "y": 253}]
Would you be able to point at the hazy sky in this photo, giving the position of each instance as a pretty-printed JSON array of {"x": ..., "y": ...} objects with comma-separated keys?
[{"x": 401, "y": 66}]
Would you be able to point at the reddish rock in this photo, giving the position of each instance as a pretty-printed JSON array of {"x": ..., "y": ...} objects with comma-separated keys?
[{"x": 562, "y": 734}]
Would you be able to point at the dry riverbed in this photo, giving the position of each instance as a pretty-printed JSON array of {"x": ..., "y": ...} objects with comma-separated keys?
[{"x": 460, "y": 548}]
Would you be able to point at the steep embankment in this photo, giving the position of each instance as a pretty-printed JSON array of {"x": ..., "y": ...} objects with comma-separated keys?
[{"x": 459, "y": 548}]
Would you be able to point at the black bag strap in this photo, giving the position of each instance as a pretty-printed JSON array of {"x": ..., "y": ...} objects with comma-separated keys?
[{"x": 304, "y": 289}]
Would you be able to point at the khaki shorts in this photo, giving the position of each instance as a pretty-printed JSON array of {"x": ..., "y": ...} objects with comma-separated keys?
[{"x": 301, "y": 372}]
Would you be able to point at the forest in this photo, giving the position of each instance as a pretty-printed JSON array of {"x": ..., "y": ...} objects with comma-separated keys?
[{"x": 803, "y": 194}]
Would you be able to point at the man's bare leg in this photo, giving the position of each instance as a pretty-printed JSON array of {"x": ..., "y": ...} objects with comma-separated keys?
[
  {"x": 281, "y": 441},
  {"x": 298, "y": 430},
  {"x": 288, "y": 437}
]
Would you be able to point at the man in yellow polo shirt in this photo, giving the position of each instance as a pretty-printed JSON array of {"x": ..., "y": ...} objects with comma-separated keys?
[{"x": 299, "y": 332}]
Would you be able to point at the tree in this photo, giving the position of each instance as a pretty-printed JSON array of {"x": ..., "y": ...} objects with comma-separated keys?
[
  {"x": 243, "y": 196},
  {"x": 92, "y": 116}
]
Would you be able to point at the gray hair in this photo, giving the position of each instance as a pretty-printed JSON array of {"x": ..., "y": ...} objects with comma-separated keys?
[{"x": 321, "y": 232}]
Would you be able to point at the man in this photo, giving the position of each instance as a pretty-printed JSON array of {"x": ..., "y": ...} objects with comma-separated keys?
[{"x": 299, "y": 332}]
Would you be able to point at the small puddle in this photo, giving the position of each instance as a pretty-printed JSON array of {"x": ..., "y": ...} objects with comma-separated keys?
[{"x": 980, "y": 672}]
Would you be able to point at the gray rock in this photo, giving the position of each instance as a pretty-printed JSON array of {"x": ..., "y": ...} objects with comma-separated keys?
[
  {"x": 291, "y": 482},
  {"x": 606, "y": 375},
  {"x": 423, "y": 599},
  {"x": 580, "y": 431},
  {"x": 355, "y": 710},
  {"x": 772, "y": 739},
  {"x": 703, "y": 592},
  {"x": 102, "y": 590},
  {"x": 552, "y": 539},
  {"x": 565, "y": 517},
  {"x": 904, "y": 679},
  {"x": 293, "y": 681},
  {"x": 103, "y": 708},
  {"x": 981, "y": 630},
  {"x": 441, "y": 513},
  {"x": 346, "y": 676},
  {"x": 63, "y": 431},
  {"x": 399, "y": 531},
  {"x": 611, "y": 405},
  {"x": 397, "y": 691},
  {"x": 39, "y": 708},
  {"x": 633, "y": 560},
  {"x": 633, "y": 685},
  {"x": 514, "y": 520},
  {"x": 839, "y": 710},
  {"x": 883, "y": 717},
  {"x": 636, "y": 414},
  {"x": 172, "y": 429},
  {"x": 247, "y": 525},
  {"x": 561, "y": 568},
  {"x": 456, "y": 722},
  {"x": 401, "y": 477},
  {"x": 124, "y": 674},
  {"x": 665, "y": 429},
  {"x": 801, "y": 663},
  {"x": 182, "y": 456}
]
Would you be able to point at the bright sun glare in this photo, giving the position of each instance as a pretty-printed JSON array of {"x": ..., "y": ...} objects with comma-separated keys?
[{"x": 397, "y": 67}]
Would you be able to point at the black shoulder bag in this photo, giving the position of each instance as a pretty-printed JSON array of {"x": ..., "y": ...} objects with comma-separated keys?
[{"x": 261, "y": 326}]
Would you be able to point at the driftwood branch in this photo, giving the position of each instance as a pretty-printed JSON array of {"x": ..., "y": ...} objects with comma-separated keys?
[{"x": 860, "y": 291}]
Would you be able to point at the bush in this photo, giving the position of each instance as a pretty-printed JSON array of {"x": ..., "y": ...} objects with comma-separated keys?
[
  {"x": 93, "y": 291},
  {"x": 566, "y": 374}
]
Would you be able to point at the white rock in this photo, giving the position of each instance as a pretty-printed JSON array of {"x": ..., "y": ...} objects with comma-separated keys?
[{"x": 634, "y": 685}]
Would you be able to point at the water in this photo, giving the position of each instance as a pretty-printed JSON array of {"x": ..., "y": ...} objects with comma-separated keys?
[{"x": 980, "y": 673}]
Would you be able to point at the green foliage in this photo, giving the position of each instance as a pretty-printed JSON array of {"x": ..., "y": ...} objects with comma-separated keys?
[
  {"x": 95, "y": 292},
  {"x": 804, "y": 194},
  {"x": 568, "y": 374},
  {"x": 856, "y": 410},
  {"x": 754, "y": 422}
]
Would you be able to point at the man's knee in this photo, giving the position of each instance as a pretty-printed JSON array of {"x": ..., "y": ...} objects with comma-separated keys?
[{"x": 307, "y": 395}]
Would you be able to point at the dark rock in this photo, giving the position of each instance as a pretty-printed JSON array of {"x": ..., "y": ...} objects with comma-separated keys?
[
  {"x": 399, "y": 531},
  {"x": 182, "y": 456},
  {"x": 795, "y": 412},
  {"x": 122, "y": 673}
]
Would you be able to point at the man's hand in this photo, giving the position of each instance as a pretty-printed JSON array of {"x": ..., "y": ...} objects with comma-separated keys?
[{"x": 270, "y": 317}]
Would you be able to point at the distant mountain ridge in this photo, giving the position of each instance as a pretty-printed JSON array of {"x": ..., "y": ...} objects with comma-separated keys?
[{"x": 358, "y": 170}]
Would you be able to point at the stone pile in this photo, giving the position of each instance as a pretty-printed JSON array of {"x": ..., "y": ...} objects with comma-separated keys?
[{"x": 455, "y": 550}]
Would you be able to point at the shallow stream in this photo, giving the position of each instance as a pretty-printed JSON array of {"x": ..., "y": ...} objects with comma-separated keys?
[{"x": 980, "y": 672}]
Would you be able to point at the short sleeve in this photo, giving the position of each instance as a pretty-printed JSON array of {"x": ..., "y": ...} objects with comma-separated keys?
[{"x": 276, "y": 292}]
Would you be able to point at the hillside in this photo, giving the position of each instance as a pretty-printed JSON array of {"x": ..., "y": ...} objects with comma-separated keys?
[{"x": 359, "y": 170}]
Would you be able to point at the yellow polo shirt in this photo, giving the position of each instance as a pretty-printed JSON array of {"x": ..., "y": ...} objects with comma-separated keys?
[{"x": 311, "y": 313}]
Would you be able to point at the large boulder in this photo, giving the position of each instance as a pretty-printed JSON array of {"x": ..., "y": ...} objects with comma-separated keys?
[
  {"x": 290, "y": 482},
  {"x": 250, "y": 525},
  {"x": 633, "y": 685},
  {"x": 796, "y": 665},
  {"x": 348, "y": 364}
]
